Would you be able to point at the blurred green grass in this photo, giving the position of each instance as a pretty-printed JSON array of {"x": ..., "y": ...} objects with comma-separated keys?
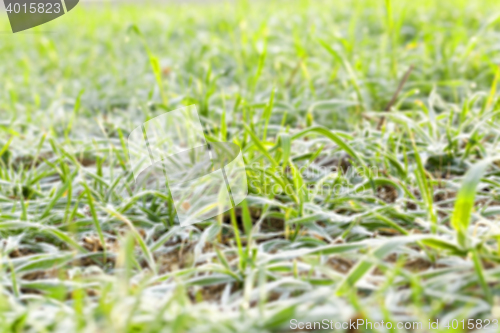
[{"x": 295, "y": 84}]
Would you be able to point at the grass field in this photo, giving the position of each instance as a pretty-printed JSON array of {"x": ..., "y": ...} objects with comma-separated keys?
[{"x": 379, "y": 118}]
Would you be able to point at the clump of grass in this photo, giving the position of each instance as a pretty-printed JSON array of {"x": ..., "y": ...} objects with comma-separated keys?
[{"x": 389, "y": 200}]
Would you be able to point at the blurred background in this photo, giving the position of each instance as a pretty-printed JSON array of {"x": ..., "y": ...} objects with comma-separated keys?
[{"x": 407, "y": 88}]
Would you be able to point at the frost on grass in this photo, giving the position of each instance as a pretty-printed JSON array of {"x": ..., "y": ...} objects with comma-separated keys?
[{"x": 347, "y": 217}]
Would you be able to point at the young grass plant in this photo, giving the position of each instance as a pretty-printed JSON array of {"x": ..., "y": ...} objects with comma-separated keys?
[{"x": 369, "y": 133}]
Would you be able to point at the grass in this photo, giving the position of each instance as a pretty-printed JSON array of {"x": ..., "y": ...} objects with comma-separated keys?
[{"x": 390, "y": 176}]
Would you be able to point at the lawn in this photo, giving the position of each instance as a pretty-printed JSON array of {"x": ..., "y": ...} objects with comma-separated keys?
[{"x": 370, "y": 135}]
